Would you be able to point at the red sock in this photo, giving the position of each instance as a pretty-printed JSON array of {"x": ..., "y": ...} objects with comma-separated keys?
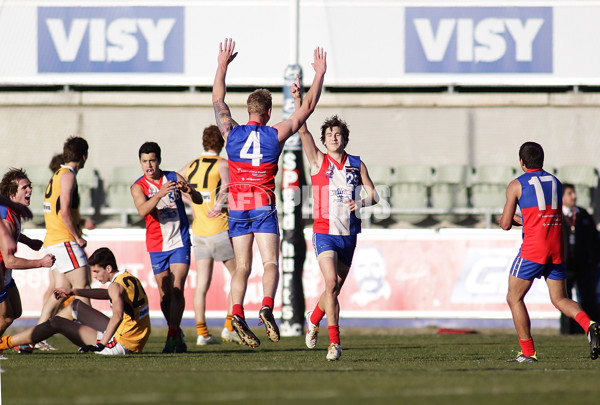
[
  {"x": 268, "y": 302},
  {"x": 317, "y": 315},
  {"x": 527, "y": 347},
  {"x": 334, "y": 334},
  {"x": 583, "y": 320},
  {"x": 238, "y": 310}
]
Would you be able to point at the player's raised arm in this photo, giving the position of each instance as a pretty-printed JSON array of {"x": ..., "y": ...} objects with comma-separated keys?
[
  {"x": 222, "y": 112},
  {"x": 290, "y": 126},
  {"x": 508, "y": 218},
  {"x": 313, "y": 154}
]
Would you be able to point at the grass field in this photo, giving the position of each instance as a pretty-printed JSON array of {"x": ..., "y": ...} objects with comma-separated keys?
[{"x": 377, "y": 367}]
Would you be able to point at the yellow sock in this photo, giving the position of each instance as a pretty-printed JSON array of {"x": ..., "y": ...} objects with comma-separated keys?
[
  {"x": 202, "y": 330},
  {"x": 228, "y": 324},
  {"x": 5, "y": 343}
]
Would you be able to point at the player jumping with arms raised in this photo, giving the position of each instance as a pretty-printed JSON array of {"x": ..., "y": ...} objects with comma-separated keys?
[{"x": 253, "y": 151}]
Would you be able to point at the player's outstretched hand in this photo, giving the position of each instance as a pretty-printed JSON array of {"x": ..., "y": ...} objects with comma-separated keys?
[
  {"x": 320, "y": 61},
  {"x": 296, "y": 88},
  {"x": 98, "y": 347},
  {"x": 226, "y": 54},
  {"x": 62, "y": 293}
]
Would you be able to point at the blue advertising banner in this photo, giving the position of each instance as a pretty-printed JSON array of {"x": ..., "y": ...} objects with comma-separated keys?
[
  {"x": 110, "y": 39},
  {"x": 478, "y": 40}
]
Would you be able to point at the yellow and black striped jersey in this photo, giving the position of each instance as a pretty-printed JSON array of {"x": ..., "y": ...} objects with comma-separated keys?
[
  {"x": 134, "y": 330},
  {"x": 56, "y": 231},
  {"x": 203, "y": 175}
]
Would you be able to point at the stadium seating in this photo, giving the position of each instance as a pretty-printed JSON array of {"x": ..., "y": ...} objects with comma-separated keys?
[
  {"x": 87, "y": 184},
  {"x": 118, "y": 193},
  {"x": 585, "y": 179},
  {"x": 488, "y": 185},
  {"x": 410, "y": 192},
  {"x": 449, "y": 191}
]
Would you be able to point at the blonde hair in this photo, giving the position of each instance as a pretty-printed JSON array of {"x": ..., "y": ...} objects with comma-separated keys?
[{"x": 259, "y": 102}]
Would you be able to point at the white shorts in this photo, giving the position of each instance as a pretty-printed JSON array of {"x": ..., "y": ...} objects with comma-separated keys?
[
  {"x": 113, "y": 347},
  {"x": 69, "y": 256},
  {"x": 217, "y": 247}
]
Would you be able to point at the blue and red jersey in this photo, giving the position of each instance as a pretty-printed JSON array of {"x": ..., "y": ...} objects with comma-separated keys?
[
  {"x": 167, "y": 226},
  {"x": 14, "y": 218},
  {"x": 335, "y": 185},
  {"x": 541, "y": 208},
  {"x": 253, "y": 151}
]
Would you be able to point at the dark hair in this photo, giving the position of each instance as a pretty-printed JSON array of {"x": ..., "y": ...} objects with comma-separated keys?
[
  {"x": 75, "y": 149},
  {"x": 150, "y": 147},
  {"x": 9, "y": 184},
  {"x": 55, "y": 162},
  {"x": 212, "y": 138},
  {"x": 336, "y": 121},
  {"x": 565, "y": 186},
  {"x": 532, "y": 155},
  {"x": 103, "y": 257}
]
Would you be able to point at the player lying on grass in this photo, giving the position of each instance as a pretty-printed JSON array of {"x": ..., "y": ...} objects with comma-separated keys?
[
  {"x": 337, "y": 178},
  {"x": 537, "y": 193},
  {"x": 125, "y": 332}
]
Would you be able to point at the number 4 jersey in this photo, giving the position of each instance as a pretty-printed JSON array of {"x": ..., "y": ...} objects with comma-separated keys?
[
  {"x": 541, "y": 208},
  {"x": 253, "y": 151}
]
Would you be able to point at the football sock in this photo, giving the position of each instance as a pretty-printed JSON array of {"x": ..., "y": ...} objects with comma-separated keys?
[
  {"x": 238, "y": 310},
  {"x": 317, "y": 315},
  {"x": 202, "y": 330},
  {"x": 583, "y": 320},
  {"x": 527, "y": 347},
  {"x": 6, "y": 342},
  {"x": 268, "y": 302},
  {"x": 334, "y": 334},
  {"x": 228, "y": 325}
]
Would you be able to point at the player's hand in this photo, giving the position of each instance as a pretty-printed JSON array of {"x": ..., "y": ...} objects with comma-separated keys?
[
  {"x": 81, "y": 242},
  {"x": 320, "y": 61},
  {"x": 60, "y": 293},
  {"x": 296, "y": 88},
  {"x": 98, "y": 347},
  {"x": 89, "y": 224},
  {"x": 184, "y": 187},
  {"x": 167, "y": 188},
  {"x": 215, "y": 211},
  {"x": 226, "y": 54},
  {"x": 352, "y": 205},
  {"x": 47, "y": 261}
]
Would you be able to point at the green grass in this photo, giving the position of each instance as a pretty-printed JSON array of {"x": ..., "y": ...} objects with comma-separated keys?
[{"x": 377, "y": 366}]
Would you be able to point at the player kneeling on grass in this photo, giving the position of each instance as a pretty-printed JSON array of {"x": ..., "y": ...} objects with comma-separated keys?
[{"x": 125, "y": 332}]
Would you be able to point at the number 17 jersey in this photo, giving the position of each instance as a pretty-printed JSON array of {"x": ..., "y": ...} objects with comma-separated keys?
[
  {"x": 253, "y": 151},
  {"x": 541, "y": 208}
]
